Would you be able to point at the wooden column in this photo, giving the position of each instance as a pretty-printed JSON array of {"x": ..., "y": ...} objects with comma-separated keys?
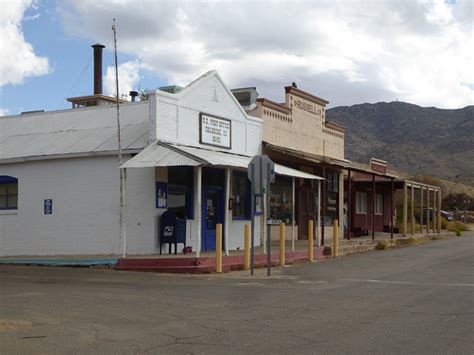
[
  {"x": 412, "y": 209},
  {"x": 392, "y": 200},
  {"x": 427, "y": 210},
  {"x": 421, "y": 208},
  {"x": 293, "y": 220},
  {"x": 405, "y": 209},
  {"x": 439, "y": 210},
  {"x": 198, "y": 208},
  {"x": 434, "y": 211},
  {"x": 373, "y": 206},
  {"x": 227, "y": 214},
  {"x": 341, "y": 204},
  {"x": 349, "y": 205},
  {"x": 323, "y": 205}
]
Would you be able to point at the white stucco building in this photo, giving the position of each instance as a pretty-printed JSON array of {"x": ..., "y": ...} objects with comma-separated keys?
[{"x": 186, "y": 152}]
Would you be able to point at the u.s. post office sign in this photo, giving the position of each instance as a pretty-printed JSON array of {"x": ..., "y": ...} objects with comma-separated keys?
[{"x": 215, "y": 131}]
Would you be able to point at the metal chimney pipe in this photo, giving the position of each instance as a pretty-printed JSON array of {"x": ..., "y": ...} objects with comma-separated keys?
[
  {"x": 98, "y": 68},
  {"x": 133, "y": 95}
]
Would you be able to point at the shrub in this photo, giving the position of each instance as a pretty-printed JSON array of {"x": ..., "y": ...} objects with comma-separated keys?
[
  {"x": 444, "y": 223},
  {"x": 458, "y": 233},
  {"x": 381, "y": 245},
  {"x": 457, "y": 225}
]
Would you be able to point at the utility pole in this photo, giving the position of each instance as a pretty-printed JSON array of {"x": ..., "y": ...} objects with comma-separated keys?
[{"x": 123, "y": 172}]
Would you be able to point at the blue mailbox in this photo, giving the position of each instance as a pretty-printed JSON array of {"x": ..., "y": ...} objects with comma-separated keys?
[{"x": 172, "y": 230}]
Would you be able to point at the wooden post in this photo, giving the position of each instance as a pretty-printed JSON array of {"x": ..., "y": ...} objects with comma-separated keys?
[
  {"x": 392, "y": 200},
  {"x": 323, "y": 204},
  {"x": 439, "y": 210},
  {"x": 293, "y": 220},
  {"x": 247, "y": 247},
  {"x": 405, "y": 208},
  {"x": 282, "y": 244},
  {"x": 219, "y": 248},
  {"x": 198, "y": 208},
  {"x": 341, "y": 203},
  {"x": 318, "y": 223},
  {"x": 412, "y": 209},
  {"x": 427, "y": 210},
  {"x": 421, "y": 208},
  {"x": 349, "y": 204},
  {"x": 434, "y": 211},
  {"x": 227, "y": 216},
  {"x": 373, "y": 206},
  {"x": 310, "y": 240}
]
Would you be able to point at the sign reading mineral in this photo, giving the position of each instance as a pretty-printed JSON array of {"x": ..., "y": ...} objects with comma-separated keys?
[{"x": 215, "y": 131}]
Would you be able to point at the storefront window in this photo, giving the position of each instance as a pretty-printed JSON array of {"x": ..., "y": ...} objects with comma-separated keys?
[
  {"x": 180, "y": 191},
  {"x": 240, "y": 195},
  {"x": 281, "y": 204},
  {"x": 332, "y": 197}
]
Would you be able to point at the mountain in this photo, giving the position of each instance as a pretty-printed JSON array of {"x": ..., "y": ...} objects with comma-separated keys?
[{"x": 414, "y": 140}]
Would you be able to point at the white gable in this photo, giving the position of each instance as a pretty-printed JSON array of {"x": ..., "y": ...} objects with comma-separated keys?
[{"x": 178, "y": 116}]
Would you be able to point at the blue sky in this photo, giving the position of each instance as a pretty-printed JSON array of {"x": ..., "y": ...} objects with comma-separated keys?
[{"x": 346, "y": 51}]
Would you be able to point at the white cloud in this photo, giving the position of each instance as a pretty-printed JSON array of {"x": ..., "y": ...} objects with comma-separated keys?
[
  {"x": 129, "y": 76},
  {"x": 18, "y": 59},
  {"x": 3, "y": 111},
  {"x": 346, "y": 51}
]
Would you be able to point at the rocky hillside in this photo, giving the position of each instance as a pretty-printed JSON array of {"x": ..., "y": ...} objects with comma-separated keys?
[{"x": 413, "y": 139}]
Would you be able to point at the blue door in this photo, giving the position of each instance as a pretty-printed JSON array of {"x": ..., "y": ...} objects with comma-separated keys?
[{"x": 212, "y": 213}]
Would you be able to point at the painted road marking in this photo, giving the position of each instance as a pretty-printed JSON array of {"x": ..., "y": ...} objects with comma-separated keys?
[
  {"x": 249, "y": 284},
  {"x": 411, "y": 283}
]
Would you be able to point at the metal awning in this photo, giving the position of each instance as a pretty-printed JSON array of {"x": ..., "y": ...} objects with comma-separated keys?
[{"x": 165, "y": 154}]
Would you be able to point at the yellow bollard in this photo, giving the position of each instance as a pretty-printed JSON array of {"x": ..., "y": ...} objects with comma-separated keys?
[
  {"x": 219, "y": 248},
  {"x": 247, "y": 247},
  {"x": 310, "y": 240},
  {"x": 282, "y": 244},
  {"x": 335, "y": 242}
]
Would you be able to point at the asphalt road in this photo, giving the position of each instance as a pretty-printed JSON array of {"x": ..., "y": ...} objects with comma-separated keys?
[{"x": 410, "y": 300}]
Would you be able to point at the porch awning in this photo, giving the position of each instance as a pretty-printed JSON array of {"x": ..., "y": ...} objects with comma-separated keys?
[{"x": 165, "y": 154}]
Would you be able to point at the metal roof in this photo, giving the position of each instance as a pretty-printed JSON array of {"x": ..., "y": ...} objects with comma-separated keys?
[
  {"x": 166, "y": 154},
  {"x": 91, "y": 130}
]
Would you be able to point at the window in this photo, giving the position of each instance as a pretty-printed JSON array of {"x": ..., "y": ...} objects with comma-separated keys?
[
  {"x": 332, "y": 196},
  {"x": 181, "y": 191},
  {"x": 281, "y": 196},
  {"x": 378, "y": 204},
  {"x": 361, "y": 202},
  {"x": 240, "y": 195},
  {"x": 8, "y": 193}
]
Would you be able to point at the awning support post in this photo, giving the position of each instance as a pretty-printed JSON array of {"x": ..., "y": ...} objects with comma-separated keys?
[
  {"x": 405, "y": 208},
  {"x": 412, "y": 209},
  {"x": 349, "y": 204},
  {"x": 392, "y": 200},
  {"x": 227, "y": 214},
  {"x": 421, "y": 208},
  {"x": 373, "y": 206},
  {"x": 427, "y": 210},
  {"x": 198, "y": 209},
  {"x": 318, "y": 236},
  {"x": 293, "y": 221}
]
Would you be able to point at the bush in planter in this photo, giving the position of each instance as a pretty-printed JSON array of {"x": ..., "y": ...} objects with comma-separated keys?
[
  {"x": 457, "y": 225},
  {"x": 381, "y": 245}
]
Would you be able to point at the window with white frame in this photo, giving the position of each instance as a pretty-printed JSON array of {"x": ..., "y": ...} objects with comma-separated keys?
[
  {"x": 8, "y": 193},
  {"x": 378, "y": 204},
  {"x": 361, "y": 202}
]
